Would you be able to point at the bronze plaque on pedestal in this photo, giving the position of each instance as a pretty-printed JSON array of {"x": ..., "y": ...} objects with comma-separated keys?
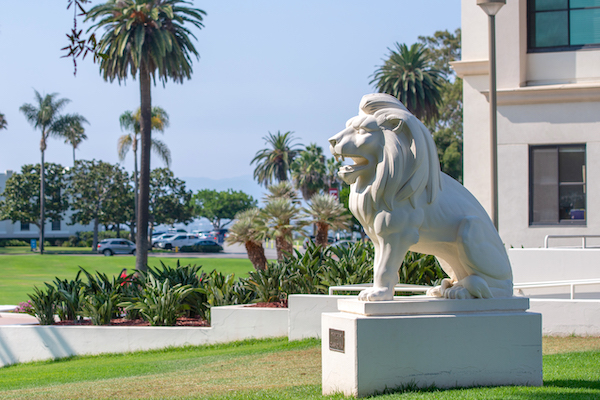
[{"x": 336, "y": 340}]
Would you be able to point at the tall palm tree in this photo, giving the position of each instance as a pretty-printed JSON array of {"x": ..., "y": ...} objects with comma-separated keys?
[
  {"x": 130, "y": 121},
  {"x": 282, "y": 190},
  {"x": 274, "y": 163},
  {"x": 309, "y": 170},
  {"x": 145, "y": 37},
  {"x": 409, "y": 75},
  {"x": 74, "y": 134},
  {"x": 277, "y": 216},
  {"x": 326, "y": 212},
  {"x": 44, "y": 115},
  {"x": 332, "y": 179},
  {"x": 3, "y": 123},
  {"x": 247, "y": 230}
]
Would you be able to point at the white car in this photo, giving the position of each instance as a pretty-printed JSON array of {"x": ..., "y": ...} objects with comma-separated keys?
[
  {"x": 178, "y": 240},
  {"x": 162, "y": 237}
]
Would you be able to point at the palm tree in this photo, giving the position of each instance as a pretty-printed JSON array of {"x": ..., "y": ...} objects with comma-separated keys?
[
  {"x": 74, "y": 134},
  {"x": 247, "y": 230},
  {"x": 3, "y": 123},
  {"x": 131, "y": 122},
  {"x": 282, "y": 190},
  {"x": 409, "y": 75},
  {"x": 326, "y": 213},
  {"x": 274, "y": 163},
  {"x": 277, "y": 216},
  {"x": 146, "y": 37},
  {"x": 44, "y": 115},
  {"x": 309, "y": 170},
  {"x": 331, "y": 176}
]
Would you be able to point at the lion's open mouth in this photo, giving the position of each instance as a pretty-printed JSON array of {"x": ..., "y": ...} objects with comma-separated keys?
[{"x": 359, "y": 163}]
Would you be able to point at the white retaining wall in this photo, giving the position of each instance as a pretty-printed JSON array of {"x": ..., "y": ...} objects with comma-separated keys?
[
  {"x": 302, "y": 319},
  {"x": 543, "y": 265}
]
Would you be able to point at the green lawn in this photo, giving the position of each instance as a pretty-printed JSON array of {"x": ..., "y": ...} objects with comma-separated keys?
[
  {"x": 20, "y": 273},
  {"x": 264, "y": 369}
]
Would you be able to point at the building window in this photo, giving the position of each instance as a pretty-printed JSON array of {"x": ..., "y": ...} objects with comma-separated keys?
[
  {"x": 56, "y": 225},
  {"x": 557, "y": 185},
  {"x": 24, "y": 226},
  {"x": 555, "y": 25}
]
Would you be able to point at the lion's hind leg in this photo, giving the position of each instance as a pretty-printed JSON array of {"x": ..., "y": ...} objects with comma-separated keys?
[{"x": 486, "y": 271}]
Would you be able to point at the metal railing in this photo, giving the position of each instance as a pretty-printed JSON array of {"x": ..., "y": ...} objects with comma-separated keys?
[
  {"x": 583, "y": 239},
  {"x": 571, "y": 284}
]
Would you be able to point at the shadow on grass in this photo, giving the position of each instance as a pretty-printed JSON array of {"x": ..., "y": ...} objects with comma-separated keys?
[{"x": 573, "y": 384}]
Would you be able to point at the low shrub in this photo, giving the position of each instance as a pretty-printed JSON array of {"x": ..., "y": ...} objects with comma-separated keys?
[
  {"x": 13, "y": 243},
  {"x": 160, "y": 303},
  {"x": 43, "y": 304}
]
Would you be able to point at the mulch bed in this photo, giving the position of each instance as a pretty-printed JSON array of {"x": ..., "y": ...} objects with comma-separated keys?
[
  {"x": 183, "y": 321},
  {"x": 274, "y": 304}
]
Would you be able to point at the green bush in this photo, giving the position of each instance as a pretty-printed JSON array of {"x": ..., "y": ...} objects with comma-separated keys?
[
  {"x": 71, "y": 295},
  {"x": 13, "y": 243},
  {"x": 43, "y": 304},
  {"x": 348, "y": 265},
  {"x": 100, "y": 307},
  {"x": 183, "y": 275},
  {"x": 160, "y": 303}
]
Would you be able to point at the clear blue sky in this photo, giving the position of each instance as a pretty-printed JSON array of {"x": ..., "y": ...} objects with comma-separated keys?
[{"x": 265, "y": 66}]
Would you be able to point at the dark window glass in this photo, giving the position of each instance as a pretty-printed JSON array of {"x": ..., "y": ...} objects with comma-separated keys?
[
  {"x": 56, "y": 225},
  {"x": 563, "y": 24},
  {"x": 557, "y": 184},
  {"x": 24, "y": 226}
]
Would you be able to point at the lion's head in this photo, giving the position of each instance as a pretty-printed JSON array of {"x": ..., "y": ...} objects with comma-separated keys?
[{"x": 394, "y": 155}]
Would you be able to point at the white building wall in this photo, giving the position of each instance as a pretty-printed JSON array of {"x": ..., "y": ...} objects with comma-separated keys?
[{"x": 543, "y": 98}]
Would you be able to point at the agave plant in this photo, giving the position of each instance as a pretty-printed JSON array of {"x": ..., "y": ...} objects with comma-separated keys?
[
  {"x": 161, "y": 303},
  {"x": 43, "y": 304},
  {"x": 71, "y": 294}
]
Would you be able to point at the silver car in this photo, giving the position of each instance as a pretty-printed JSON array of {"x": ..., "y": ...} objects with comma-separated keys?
[{"x": 108, "y": 247}]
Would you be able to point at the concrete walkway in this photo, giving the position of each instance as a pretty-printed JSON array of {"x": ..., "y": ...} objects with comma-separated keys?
[{"x": 7, "y": 318}]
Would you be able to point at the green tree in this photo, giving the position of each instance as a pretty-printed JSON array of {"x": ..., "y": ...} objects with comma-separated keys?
[
  {"x": 3, "y": 123},
  {"x": 44, "y": 115},
  {"x": 217, "y": 206},
  {"x": 273, "y": 163},
  {"x": 170, "y": 202},
  {"x": 447, "y": 127},
  {"x": 145, "y": 37},
  {"x": 326, "y": 212},
  {"x": 21, "y": 196},
  {"x": 282, "y": 190},
  {"x": 332, "y": 180},
  {"x": 409, "y": 74},
  {"x": 309, "y": 171},
  {"x": 118, "y": 210},
  {"x": 278, "y": 215},
  {"x": 249, "y": 231},
  {"x": 355, "y": 226},
  {"x": 93, "y": 187},
  {"x": 130, "y": 121},
  {"x": 74, "y": 134}
]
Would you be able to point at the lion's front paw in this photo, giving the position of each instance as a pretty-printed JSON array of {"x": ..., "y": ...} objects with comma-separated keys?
[
  {"x": 457, "y": 292},
  {"x": 439, "y": 291},
  {"x": 376, "y": 294}
]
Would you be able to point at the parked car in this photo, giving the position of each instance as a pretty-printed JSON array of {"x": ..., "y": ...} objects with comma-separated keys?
[
  {"x": 108, "y": 247},
  {"x": 177, "y": 240},
  {"x": 202, "y": 246},
  {"x": 162, "y": 237},
  {"x": 342, "y": 243}
]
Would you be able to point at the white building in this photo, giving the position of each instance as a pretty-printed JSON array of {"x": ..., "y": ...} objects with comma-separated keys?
[
  {"x": 23, "y": 231},
  {"x": 548, "y": 80}
]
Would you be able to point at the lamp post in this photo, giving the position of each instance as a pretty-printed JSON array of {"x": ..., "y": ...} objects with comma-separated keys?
[{"x": 491, "y": 8}]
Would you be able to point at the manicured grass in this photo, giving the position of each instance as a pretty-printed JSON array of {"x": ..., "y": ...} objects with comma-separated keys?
[
  {"x": 265, "y": 369},
  {"x": 20, "y": 273}
]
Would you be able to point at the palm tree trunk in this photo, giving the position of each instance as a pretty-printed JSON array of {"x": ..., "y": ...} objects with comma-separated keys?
[
  {"x": 283, "y": 245},
  {"x": 73, "y": 156},
  {"x": 42, "y": 202},
  {"x": 95, "y": 236},
  {"x": 136, "y": 183},
  {"x": 321, "y": 236},
  {"x": 256, "y": 254},
  {"x": 141, "y": 260}
]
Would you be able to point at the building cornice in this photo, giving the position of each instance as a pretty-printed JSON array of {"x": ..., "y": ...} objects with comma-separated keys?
[
  {"x": 564, "y": 93},
  {"x": 466, "y": 68}
]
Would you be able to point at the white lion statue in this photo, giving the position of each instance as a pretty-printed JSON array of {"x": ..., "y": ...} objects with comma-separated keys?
[{"x": 404, "y": 202}]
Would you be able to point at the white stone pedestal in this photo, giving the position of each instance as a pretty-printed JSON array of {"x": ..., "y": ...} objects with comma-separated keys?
[{"x": 370, "y": 346}]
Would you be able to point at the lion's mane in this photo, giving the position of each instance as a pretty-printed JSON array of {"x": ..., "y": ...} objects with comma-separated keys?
[{"x": 410, "y": 163}]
